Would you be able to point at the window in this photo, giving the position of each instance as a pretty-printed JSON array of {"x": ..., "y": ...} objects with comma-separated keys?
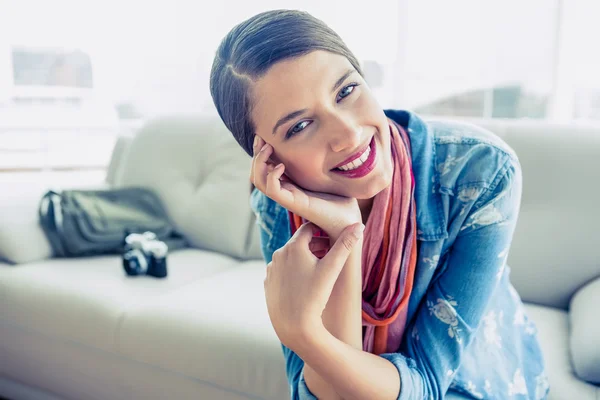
[
  {"x": 479, "y": 59},
  {"x": 494, "y": 59},
  {"x": 501, "y": 59},
  {"x": 51, "y": 68}
]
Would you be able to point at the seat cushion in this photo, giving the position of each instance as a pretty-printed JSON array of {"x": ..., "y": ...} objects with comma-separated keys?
[
  {"x": 206, "y": 323},
  {"x": 84, "y": 299},
  {"x": 216, "y": 331},
  {"x": 553, "y": 333}
]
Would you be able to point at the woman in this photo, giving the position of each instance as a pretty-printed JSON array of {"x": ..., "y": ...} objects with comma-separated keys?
[{"x": 419, "y": 302}]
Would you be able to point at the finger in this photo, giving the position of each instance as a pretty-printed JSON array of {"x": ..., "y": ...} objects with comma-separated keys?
[
  {"x": 274, "y": 187},
  {"x": 257, "y": 145},
  {"x": 287, "y": 184},
  {"x": 332, "y": 264},
  {"x": 273, "y": 184},
  {"x": 255, "y": 148},
  {"x": 260, "y": 166},
  {"x": 341, "y": 249},
  {"x": 258, "y": 151}
]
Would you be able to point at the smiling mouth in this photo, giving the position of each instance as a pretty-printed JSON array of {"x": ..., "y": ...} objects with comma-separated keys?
[
  {"x": 356, "y": 163},
  {"x": 355, "y": 160},
  {"x": 360, "y": 166}
]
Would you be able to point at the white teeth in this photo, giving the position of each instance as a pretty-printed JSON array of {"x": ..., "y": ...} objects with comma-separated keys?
[{"x": 358, "y": 162}]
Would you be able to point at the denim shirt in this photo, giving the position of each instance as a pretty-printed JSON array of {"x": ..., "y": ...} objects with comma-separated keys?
[{"x": 467, "y": 330}]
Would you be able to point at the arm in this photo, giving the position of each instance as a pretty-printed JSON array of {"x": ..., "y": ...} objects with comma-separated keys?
[
  {"x": 353, "y": 373},
  {"x": 274, "y": 232},
  {"x": 342, "y": 318},
  {"x": 447, "y": 318},
  {"x": 343, "y": 315}
]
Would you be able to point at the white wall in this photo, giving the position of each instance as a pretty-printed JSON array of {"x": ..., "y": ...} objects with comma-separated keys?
[{"x": 158, "y": 53}]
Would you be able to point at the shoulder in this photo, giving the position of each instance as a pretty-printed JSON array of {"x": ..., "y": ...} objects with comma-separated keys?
[
  {"x": 478, "y": 173},
  {"x": 447, "y": 131},
  {"x": 469, "y": 156},
  {"x": 454, "y": 163},
  {"x": 463, "y": 154}
]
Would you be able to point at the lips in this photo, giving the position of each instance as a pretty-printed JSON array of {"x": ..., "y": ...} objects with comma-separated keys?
[
  {"x": 365, "y": 168},
  {"x": 354, "y": 156}
]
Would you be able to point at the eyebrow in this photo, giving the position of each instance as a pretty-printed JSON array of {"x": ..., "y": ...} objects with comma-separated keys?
[
  {"x": 339, "y": 82},
  {"x": 297, "y": 113},
  {"x": 288, "y": 117}
]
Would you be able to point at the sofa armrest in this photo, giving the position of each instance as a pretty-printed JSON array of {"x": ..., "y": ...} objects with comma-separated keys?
[
  {"x": 585, "y": 332},
  {"x": 22, "y": 238}
]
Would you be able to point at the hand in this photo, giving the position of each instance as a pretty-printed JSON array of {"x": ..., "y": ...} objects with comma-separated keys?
[
  {"x": 329, "y": 212},
  {"x": 298, "y": 285}
]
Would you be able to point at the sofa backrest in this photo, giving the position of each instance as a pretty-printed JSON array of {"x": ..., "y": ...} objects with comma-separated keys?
[
  {"x": 201, "y": 174},
  {"x": 556, "y": 248}
]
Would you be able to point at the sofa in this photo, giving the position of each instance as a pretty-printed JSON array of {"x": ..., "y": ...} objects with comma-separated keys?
[{"x": 79, "y": 328}]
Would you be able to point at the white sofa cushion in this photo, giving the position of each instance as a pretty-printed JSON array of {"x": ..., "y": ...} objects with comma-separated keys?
[
  {"x": 202, "y": 176},
  {"x": 216, "y": 331},
  {"x": 82, "y": 300},
  {"x": 81, "y": 323},
  {"x": 553, "y": 334},
  {"x": 585, "y": 332}
]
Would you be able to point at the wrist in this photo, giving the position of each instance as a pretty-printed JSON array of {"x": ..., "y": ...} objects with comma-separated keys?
[
  {"x": 310, "y": 339},
  {"x": 336, "y": 231}
]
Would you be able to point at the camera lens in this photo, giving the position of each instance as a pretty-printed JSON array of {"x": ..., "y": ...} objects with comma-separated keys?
[{"x": 136, "y": 261}]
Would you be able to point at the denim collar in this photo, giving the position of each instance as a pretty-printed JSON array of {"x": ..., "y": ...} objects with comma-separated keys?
[{"x": 431, "y": 219}]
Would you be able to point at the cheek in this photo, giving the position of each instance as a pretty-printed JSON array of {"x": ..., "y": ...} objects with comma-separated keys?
[
  {"x": 305, "y": 174},
  {"x": 305, "y": 170},
  {"x": 368, "y": 102}
]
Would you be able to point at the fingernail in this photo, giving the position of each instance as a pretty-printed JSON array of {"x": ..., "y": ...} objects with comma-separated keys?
[
  {"x": 361, "y": 228},
  {"x": 255, "y": 141},
  {"x": 264, "y": 146}
]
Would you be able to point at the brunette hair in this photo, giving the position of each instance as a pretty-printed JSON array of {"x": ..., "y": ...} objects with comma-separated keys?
[{"x": 251, "y": 48}]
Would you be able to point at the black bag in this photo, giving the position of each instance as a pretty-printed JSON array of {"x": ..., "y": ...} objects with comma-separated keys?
[{"x": 89, "y": 222}]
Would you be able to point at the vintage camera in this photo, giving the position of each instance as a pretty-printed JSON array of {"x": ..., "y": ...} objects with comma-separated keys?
[{"x": 144, "y": 254}]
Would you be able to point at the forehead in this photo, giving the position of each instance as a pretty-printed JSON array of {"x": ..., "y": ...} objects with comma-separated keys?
[{"x": 295, "y": 84}]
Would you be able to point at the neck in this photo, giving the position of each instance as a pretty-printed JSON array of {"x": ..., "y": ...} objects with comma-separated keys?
[{"x": 365, "y": 206}]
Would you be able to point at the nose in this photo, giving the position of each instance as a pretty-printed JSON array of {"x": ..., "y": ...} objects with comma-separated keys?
[{"x": 344, "y": 133}]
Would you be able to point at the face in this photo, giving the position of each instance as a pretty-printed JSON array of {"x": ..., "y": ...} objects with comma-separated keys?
[{"x": 317, "y": 112}]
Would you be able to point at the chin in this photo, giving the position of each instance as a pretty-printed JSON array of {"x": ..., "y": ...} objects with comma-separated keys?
[
  {"x": 382, "y": 182},
  {"x": 373, "y": 186}
]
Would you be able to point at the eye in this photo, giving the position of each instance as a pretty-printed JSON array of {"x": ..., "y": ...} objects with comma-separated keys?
[
  {"x": 346, "y": 91},
  {"x": 300, "y": 126}
]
